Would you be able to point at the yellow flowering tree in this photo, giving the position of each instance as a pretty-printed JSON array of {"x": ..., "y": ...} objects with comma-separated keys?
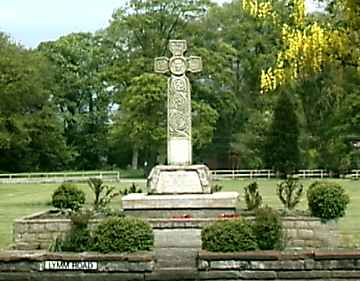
[{"x": 309, "y": 45}]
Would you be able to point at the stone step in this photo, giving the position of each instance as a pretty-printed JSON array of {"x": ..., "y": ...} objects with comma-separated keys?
[
  {"x": 176, "y": 257},
  {"x": 171, "y": 273},
  {"x": 177, "y": 238}
]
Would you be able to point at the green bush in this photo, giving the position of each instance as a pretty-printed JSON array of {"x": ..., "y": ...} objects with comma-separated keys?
[
  {"x": 103, "y": 194},
  {"x": 252, "y": 196},
  {"x": 327, "y": 200},
  {"x": 229, "y": 236},
  {"x": 78, "y": 239},
  {"x": 216, "y": 188},
  {"x": 68, "y": 196},
  {"x": 268, "y": 229},
  {"x": 132, "y": 189},
  {"x": 123, "y": 235},
  {"x": 290, "y": 193}
]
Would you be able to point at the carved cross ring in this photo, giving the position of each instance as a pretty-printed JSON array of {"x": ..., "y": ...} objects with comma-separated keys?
[{"x": 178, "y": 65}]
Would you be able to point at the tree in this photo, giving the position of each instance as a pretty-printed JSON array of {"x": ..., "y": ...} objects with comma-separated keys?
[
  {"x": 31, "y": 136},
  {"x": 282, "y": 149},
  {"x": 141, "y": 119},
  {"x": 318, "y": 52},
  {"x": 82, "y": 94},
  {"x": 235, "y": 47},
  {"x": 141, "y": 30},
  {"x": 310, "y": 43}
]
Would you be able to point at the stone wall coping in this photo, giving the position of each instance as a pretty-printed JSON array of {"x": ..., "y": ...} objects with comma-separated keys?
[
  {"x": 152, "y": 220},
  {"x": 300, "y": 218},
  {"x": 33, "y": 218},
  {"x": 250, "y": 214},
  {"x": 187, "y": 221},
  {"x": 279, "y": 255},
  {"x": 337, "y": 255},
  {"x": 11, "y": 256}
]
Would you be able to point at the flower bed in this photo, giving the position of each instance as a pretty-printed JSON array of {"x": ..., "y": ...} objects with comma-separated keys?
[{"x": 38, "y": 230}]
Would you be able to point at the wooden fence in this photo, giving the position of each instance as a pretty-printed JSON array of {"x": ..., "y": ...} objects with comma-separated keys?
[
  {"x": 267, "y": 174},
  {"x": 238, "y": 174},
  {"x": 58, "y": 177},
  {"x": 316, "y": 173},
  {"x": 355, "y": 174}
]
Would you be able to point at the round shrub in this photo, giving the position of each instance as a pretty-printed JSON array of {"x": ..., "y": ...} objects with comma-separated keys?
[
  {"x": 268, "y": 229},
  {"x": 228, "y": 236},
  {"x": 123, "y": 235},
  {"x": 327, "y": 200},
  {"x": 68, "y": 196}
]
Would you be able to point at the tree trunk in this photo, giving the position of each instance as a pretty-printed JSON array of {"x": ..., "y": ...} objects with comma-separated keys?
[{"x": 135, "y": 157}]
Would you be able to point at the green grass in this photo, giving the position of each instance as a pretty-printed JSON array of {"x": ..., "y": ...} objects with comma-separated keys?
[{"x": 19, "y": 200}]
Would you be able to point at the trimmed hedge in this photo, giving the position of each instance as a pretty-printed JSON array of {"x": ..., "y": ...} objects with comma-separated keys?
[
  {"x": 68, "y": 196},
  {"x": 123, "y": 235},
  {"x": 327, "y": 200},
  {"x": 229, "y": 236}
]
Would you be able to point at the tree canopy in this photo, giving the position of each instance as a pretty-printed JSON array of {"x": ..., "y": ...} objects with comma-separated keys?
[{"x": 93, "y": 101}]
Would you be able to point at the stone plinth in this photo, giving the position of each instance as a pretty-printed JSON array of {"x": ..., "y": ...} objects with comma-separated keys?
[
  {"x": 168, "y": 206},
  {"x": 179, "y": 179}
]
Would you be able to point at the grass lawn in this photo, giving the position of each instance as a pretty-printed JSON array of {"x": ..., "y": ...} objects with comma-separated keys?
[{"x": 18, "y": 200}]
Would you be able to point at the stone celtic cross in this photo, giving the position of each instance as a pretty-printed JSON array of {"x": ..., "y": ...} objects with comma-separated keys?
[{"x": 179, "y": 149}]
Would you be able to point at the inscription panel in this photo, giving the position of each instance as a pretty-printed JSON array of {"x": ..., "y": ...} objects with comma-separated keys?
[
  {"x": 179, "y": 151},
  {"x": 70, "y": 265},
  {"x": 179, "y": 182}
]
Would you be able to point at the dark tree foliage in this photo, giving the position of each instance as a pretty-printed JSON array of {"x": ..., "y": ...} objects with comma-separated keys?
[
  {"x": 81, "y": 95},
  {"x": 92, "y": 100},
  {"x": 282, "y": 149},
  {"x": 31, "y": 136}
]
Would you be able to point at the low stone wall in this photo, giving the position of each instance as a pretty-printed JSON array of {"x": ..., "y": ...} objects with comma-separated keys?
[
  {"x": 34, "y": 232},
  {"x": 273, "y": 265},
  {"x": 260, "y": 265},
  {"x": 39, "y": 265},
  {"x": 310, "y": 233}
]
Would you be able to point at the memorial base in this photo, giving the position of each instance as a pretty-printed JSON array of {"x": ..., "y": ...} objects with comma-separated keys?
[
  {"x": 177, "y": 179},
  {"x": 180, "y": 206}
]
